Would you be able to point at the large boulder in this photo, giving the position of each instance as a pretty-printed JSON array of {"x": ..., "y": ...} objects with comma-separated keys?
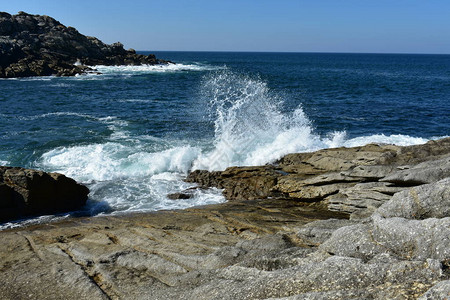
[
  {"x": 414, "y": 224},
  {"x": 25, "y": 192},
  {"x": 239, "y": 183},
  {"x": 425, "y": 172}
]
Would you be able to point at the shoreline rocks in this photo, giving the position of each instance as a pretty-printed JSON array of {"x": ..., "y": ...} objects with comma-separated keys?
[
  {"x": 35, "y": 45},
  {"x": 351, "y": 180},
  {"x": 368, "y": 222},
  {"x": 26, "y": 192}
]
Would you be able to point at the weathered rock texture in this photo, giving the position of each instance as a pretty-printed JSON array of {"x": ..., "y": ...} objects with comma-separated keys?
[
  {"x": 351, "y": 180},
  {"x": 34, "y": 45},
  {"x": 162, "y": 255},
  {"x": 262, "y": 244},
  {"x": 25, "y": 192}
]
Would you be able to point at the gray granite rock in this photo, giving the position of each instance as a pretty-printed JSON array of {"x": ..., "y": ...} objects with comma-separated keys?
[
  {"x": 425, "y": 201},
  {"x": 402, "y": 238},
  {"x": 425, "y": 172},
  {"x": 317, "y": 232},
  {"x": 333, "y": 276},
  {"x": 440, "y": 291},
  {"x": 361, "y": 199}
]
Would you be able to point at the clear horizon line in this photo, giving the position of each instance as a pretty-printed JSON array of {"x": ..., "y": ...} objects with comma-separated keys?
[{"x": 299, "y": 52}]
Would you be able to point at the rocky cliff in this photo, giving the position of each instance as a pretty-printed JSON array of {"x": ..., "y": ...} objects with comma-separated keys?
[
  {"x": 35, "y": 45},
  {"x": 369, "y": 222}
]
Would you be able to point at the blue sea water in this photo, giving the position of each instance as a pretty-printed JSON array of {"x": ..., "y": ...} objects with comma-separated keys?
[{"x": 133, "y": 133}]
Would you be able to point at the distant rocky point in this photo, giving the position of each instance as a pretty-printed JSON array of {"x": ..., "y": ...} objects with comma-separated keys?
[{"x": 35, "y": 45}]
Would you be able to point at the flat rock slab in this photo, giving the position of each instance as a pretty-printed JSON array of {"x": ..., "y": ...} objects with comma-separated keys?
[{"x": 146, "y": 256}]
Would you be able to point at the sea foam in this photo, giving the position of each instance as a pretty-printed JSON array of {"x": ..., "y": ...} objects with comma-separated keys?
[
  {"x": 112, "y": 160},
  {"x": 145, "y": 69},
  {"x": 129, "y": 177}
]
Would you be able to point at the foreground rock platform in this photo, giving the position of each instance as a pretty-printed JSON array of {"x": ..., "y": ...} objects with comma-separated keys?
[
  {"x": 162, "y": 255},
  {"x": 264, "y": 243},
  {"x": 35, "y": 45}
]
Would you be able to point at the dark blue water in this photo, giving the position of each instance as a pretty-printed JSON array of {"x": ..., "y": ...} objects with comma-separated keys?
[
  {"x": 360, "y": 93},
  {"x": 132, "y": 133}
]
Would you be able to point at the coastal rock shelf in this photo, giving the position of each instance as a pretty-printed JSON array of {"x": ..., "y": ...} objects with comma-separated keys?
[
  {"x": 35, "y": 45},
  {"x": 282, "y": 235},
  {"x": 351, "y": 180}
]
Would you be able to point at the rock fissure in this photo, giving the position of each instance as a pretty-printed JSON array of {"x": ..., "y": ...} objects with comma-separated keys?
[
  {"x": 33, "y": 246},
  {"x": 92, "y": 275}
]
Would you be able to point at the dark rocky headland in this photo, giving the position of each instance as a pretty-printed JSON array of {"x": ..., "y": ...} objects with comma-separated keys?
[
  {"x": 369, "y": 222},
  {"x": 35, "y": 45}
]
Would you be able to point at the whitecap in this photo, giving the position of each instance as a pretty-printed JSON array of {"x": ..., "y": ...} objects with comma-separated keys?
[
  {"x": 395, "y": 139},
  {"x": 148, "y": 69},
  {"x": 112, "y": 120},
  {"x": 61, "y": 85}
]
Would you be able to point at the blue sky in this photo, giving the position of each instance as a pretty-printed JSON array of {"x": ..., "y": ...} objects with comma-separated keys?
[{"x": 374, "y": 26}]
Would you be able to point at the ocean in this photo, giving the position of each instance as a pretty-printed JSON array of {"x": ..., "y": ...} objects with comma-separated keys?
[{"x": 133, "y": 133}]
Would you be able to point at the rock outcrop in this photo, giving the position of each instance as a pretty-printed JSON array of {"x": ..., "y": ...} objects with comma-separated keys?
[
  {"x": 267, "y": 242},
  {"x": 26, "y": 192},
  {"x": 35, "y": 45},
  {"x": 351, "y": 180}
]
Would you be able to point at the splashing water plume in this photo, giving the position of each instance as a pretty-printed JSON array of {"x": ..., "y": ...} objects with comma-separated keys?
[{"x": 250, "y": 128}]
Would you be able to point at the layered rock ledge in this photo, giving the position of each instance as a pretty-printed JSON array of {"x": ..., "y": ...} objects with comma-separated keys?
[
  {"x": 281, "y": 235},
  {"x": 351, "y": 180},
  {"x": 35, "y": 45}
]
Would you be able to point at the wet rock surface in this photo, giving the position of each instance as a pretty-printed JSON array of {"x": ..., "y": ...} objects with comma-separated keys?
[
  {"x": 267, "y": 242},
  {"x": 26, "y": 192},
  {"x": 35, "y": 45}
]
